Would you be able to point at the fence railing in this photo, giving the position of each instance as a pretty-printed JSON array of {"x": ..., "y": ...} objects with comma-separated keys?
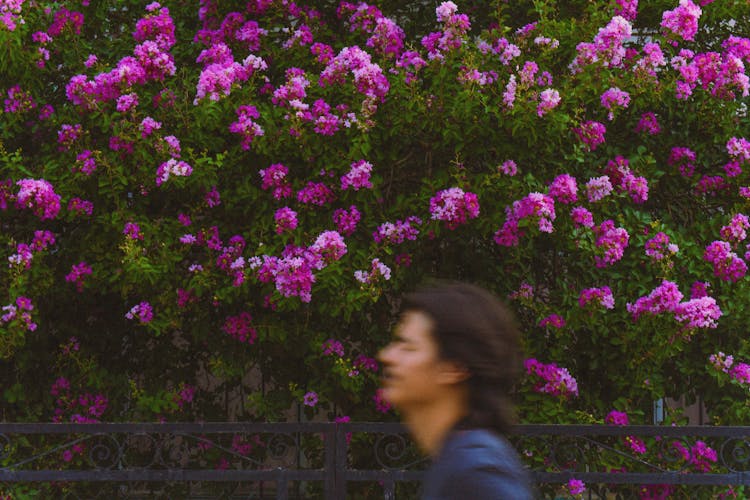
[{"x": 342, "y": 460}]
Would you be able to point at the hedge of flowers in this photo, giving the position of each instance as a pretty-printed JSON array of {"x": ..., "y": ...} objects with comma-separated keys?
[{"x": 196, "y": 193}]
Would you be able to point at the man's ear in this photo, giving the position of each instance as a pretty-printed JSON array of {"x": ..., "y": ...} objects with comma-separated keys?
[{"x": 453, "y": 372}]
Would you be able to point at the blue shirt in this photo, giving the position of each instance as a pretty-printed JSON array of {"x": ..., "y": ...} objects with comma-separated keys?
[{"x": 476, "y": 464}]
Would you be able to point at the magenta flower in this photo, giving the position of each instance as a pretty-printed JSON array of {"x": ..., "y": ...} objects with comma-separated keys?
[
  {"x": 358, "y": 177},
  {"x": 454, "y": 206},
  {"x": 683, "y": 20},
  {"x": 143, "y": 312},
  {"x": 310, "y": 399},
  {"x": 240, "y": 328}
]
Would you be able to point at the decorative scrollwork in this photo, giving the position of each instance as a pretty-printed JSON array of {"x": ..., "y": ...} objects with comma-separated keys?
[
  {"x": 394, "y": 451},
  {"x": 140, "y": 451},
  {"x": 735, "y": 454},
  {"x": 281, "y": 447},
  {"x": 673, "y": 451},
  {"x": 104, "y": 451}
]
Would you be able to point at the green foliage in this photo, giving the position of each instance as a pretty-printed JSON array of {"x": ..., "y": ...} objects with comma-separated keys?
[{"x": 436, "y": 127}]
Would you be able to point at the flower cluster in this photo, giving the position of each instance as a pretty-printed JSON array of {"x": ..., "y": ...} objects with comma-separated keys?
[
  {"x": 538, "y": 207},
  {"x": 700, "y": 455},
  {"x": 659, "y": 247},
  {"x": 684, "y": 159},
  {"x": 19, "y": 100},
  {"x": 599, "y": 296},
  {"x": 221, "y": 72},
  {"x": 240, "y": 328},
  {"x": 394, "y": 233},
  {"x": 455, "y": 27},
  {"x": 358, "y": 177},
  {"x": 683, "y": 20},
  {"x": 329, "y": 246},
  {"x": 553, "y": 320},
  {"x": 78, "y": 274},
  {"x": 702, "y": 312},
  {"x": 377, "y": 270},
  {"x": 150, "y": 62},
  {"x": 316, "y": 193},
  {"x": 143, "y": 312},
  {"x": 598, "y": 188},
  {"x": 346, "y": 220},
  {"x": 636, "y": 444},
  {"x": 39, "y": 196},
  {"x": 175, "y": 167},
  {"x": 19, "y": 311},
  {"x": 663, "y": 298},
  {"x": 133, "y": 231},
  {"x": 613, "y": 99},
  {"x": 285, "y": 219},
  {"x": 727, "y": 265},
  {"x": 245, "y": 126},
  {"x": 274, "y": 177},
  {"x": 735, "y": 231},
  {"x": 551, "y": 379},
  {"x": 607, "y": 48},
  {"x": 739, "y": 372},
  {"x": 611, "y": 241},
  {"x": 621, "y": 176},
  {"x": 331, "y": 347},
  {"x": 292, "y": 273},
  {"x": 564, "y": 189},
  {"x": 454, "y": 206},
  {"x": 387, "y": 38},
  {"x": 85, "y": 408},
  {"x": 591, "y": 134},
  {"x": 648, "y": 124},
  {"x": 25, "y": 252}
]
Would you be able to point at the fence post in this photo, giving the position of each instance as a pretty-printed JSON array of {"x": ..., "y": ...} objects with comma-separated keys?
[
  {"x": 341, "y": 462},
  {"x": 330, "y": 461}
]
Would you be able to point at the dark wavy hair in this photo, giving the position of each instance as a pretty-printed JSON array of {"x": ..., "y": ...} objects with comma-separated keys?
[{"x": 475, "y": 329}]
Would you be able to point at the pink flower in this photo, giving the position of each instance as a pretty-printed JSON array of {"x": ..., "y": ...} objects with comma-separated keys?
[
  {"x": 286, "y": 220},
  {"x": 601, "y": 296},
  {"x": 548, "y": 100},
  {"x": 576, "y": 487},
  {"x": 598, "y": 188},
  {"x": 454, "y": 206},
  {"x": 683, "y": 20},
  {"x": 310, "y": 399},
  {"x": 551, "y": 379},
  {"x": 358, "y": 177},
  {"x": 38, "y": 196},
  {"x": 346, "y": 220},
  {"x": 591, "y": 134},
  {"x": 564, "y": 189},
  {"x": 143, "y": 312},
  {"x": 648, "y": 123},
  {"x": 240, "y": 328},
  {"x": 77, "y": 275},
  {"x": 554, "y": 320},
  {"x": 613, "y": 99}
]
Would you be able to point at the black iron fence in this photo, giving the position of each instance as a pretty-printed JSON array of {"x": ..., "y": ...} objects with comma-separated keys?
[{"x": 345, "y": 460}]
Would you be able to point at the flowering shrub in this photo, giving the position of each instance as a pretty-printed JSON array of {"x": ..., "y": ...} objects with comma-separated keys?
[{"x": 223, "y": 188}]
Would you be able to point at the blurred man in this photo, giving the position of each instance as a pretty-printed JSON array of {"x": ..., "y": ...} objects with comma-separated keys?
[{"x": 449, "y": 370}]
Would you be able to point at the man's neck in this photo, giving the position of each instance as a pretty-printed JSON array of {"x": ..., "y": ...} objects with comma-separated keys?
[{"x": 430, "y": 425}]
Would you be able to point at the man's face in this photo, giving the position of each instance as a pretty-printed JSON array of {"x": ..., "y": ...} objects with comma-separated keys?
[{"x": 412, "y": 367}]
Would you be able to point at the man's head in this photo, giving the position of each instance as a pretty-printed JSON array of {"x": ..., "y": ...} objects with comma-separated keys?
[{"x": 455, "y": 336}]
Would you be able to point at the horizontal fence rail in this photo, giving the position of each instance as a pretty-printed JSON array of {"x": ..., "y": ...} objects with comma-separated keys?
[{"x": 343, "y": 460}]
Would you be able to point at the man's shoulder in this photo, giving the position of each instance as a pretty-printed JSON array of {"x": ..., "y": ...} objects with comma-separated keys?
[{"x": 477, "y": 461}]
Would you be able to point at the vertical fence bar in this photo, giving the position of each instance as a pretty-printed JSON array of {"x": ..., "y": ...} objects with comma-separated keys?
[
  {"x": 282, "y": 487},
  {"x": 389, "y": 489},
  {"x": 341, "y": 462},
  {"x": 329, "y": 486}
]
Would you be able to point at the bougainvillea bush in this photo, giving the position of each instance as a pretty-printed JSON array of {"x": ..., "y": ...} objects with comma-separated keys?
[{"x": 210, "y": 209}]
